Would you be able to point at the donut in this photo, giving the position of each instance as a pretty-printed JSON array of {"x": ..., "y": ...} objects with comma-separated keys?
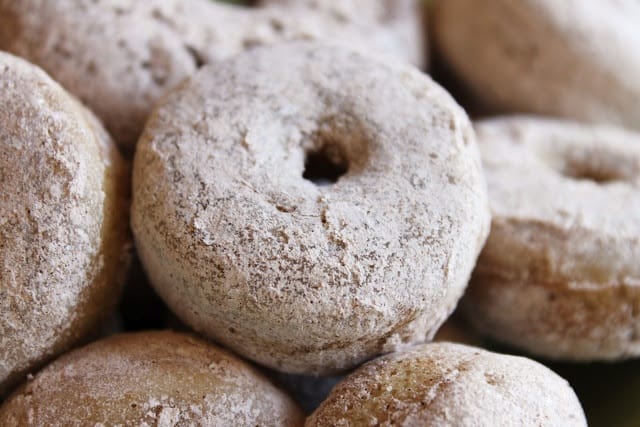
[
  {"x": 445, "y": 384},
  {"x": 559, "y": 276},
  {"x": 401, "y": 21},
  {"x": 120, "y": 57},
  {"x": 150, "y": 378},
  {"x": 253, "y": 244},
  {"x": 64, "y": 240},
  {"x": 572, "y": 59}
]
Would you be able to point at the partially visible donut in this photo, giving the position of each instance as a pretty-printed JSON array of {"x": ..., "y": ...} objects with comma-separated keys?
[
  {"x": 150, "y": 378},
  {"x": 301, "y": 277},
  {"x": 380, "y": 11},
  {"x": 64, "y": 241},
  {"x": 559, "y": 276},
  {"x": 444, "y": 384},
  {"x": 120, "y": 57},
  {"x": 573, "y": 58},
  {"x": 457, "y": 331},
  {"x": 401, "y": 21}
]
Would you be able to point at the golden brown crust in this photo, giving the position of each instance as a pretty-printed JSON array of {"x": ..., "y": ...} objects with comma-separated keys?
[
  {"x": 64, "y": 239},
  {"x": 150, "y": 378},
  {"x": 559, "y": 275},
  {"x": 444, "y": 384}
]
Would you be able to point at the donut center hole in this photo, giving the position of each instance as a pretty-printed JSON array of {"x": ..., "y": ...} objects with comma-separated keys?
[
  {"x": 595, "y": 170},
  {"x": 325, "y": 166},
  {"x": 586, "y": 174}
]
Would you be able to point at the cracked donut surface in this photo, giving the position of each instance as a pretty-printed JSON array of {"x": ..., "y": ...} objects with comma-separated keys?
[
  {"x": 559, "y": 275},
  {"x": 302, "y": 277}
]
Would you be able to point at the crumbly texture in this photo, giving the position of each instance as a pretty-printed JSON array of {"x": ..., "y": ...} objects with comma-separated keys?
[
  {"x": 150, "y": 379},
  {"x": 157, "y": 44},
  {"x": 63, "y": 220},
  {"x": 444, "y": 384},
  {"x": 559, "y": 275},
  {"x": 300, "y": 277},
  {"x": 569, "y": 58},
  {"x": 400, "y": 22}
]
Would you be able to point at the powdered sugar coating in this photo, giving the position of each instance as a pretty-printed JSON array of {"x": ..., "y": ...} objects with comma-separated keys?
[
  {"x": 401, "y": 27},
  {"x": 152, "y": 379},
  {"x": 119, "y": 57},
  {"x": 573, "y": 58},
  {"x": 304, "y": 278},
  {"x": 559, "y": 275},
  {"x": 63, "y": 220}
]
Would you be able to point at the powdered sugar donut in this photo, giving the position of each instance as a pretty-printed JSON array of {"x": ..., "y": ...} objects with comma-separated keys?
[
  {"x": 63, "y": 220},
  {"x": 574, "y": 59},
  {"x": 120, "y": 57},
  {"x": 400, "y": 22},
  {"x": 150, "y": 378},
  {"x": 559, "y": 275},
  {"x": 301, "y": 277}
]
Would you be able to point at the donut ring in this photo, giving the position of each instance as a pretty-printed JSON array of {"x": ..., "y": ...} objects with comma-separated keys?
[
  {"x": 63, "y": 220},
  {"x": 150, "y": 378},
  {"x": 559, "y": 275},
  {"x": 444, "y": 384},
  {"x": 300, "y": 277},
  {"x": 158, "y": 44},
  {"x": 573, "y": 59}
]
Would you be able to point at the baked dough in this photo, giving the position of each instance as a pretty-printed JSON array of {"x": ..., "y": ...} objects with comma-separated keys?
[
  {"x": 559, "y": 276},
  {"x": 150, "y": 378},
  {"x": 301, "y": 277},
  {"x": 119, "y": 57},
  {"x": 400, "y": 22},
  {"x": 572, "y": 58},
  {"x": 64, "y": 241},
  {"x": 444, "y": 384}
]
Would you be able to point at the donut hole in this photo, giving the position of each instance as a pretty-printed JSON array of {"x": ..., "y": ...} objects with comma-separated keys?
[
  {"x": 599, "y": 169},
  {"x": 599, "y": 176},
  {"x": 325, "y": 166}
]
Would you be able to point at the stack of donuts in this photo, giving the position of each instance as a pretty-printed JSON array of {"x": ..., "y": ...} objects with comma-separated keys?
[{"x": 293, "y": 209}]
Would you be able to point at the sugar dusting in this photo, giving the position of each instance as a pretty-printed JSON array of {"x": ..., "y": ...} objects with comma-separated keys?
[
  {"x": 155, "y": 379},
  {"x": 52, "y": 215}
]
